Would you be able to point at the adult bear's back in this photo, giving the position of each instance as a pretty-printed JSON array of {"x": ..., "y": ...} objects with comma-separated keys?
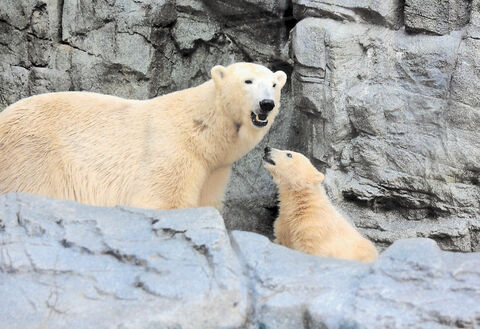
[{"x": 48, "y": 141}]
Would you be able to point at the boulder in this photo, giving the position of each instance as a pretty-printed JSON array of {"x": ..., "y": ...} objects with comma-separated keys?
[
  {"x": 64, "y": 264},
  {"x": 381, "y": 95}
]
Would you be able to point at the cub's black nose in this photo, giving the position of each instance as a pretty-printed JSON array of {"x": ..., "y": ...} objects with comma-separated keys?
[
  {"x": 268, "y": 149},
  {"x": 267, "y": 105}
]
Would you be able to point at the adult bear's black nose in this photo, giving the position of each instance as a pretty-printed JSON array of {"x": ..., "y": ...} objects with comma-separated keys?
[
  {"x": 267, "y": 105},
  {"x": 268, "y": 149}
]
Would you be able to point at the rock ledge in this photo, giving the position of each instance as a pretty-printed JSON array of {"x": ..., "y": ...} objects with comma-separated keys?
[{"x": 67, "y": 265}]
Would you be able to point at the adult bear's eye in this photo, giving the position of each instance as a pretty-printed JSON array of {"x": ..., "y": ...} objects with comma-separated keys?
[
  {"x": 289, "y": 155},
  {"x": 274, "y": 85},
  {"x": 248, "y": 82}
]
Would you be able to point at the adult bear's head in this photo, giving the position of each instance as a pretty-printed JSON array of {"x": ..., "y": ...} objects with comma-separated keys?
[{"x": 250, "y": 92}]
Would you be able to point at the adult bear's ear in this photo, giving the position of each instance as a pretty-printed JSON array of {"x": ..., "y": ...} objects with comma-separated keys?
[
  {"x": 281, "y": 78},
  {"x": 218, "y": 73}
]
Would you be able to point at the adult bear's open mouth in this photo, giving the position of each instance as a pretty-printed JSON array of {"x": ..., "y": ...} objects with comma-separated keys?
[{"x": 259, "y": 120}]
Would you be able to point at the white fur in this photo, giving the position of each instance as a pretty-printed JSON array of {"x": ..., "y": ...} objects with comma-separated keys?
[{"x": 173, "y": 151}]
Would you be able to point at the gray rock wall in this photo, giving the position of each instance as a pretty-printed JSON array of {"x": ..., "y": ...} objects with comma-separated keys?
[
  {"x": 392, "y": 116},
  {"x": 383, "y": 95},
  {"x": 67, "y": 265}
]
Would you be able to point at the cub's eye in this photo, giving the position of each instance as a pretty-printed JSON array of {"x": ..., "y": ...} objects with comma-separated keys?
[
  {"x": 248, "y": 82},
  {"x": 289, "y": 155},
  {"x": 274, "y": 85}
]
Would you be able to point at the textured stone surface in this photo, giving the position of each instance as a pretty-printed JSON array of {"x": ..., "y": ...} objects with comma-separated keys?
[
  {"x": 285, "y": 295},
  {"x": 475, "y": 15},
  {"x": 413, "y": 284},
  {"x": 230, "y": 8},
  {"x": 429, "y": 287},
  {"x": 67, "y": 265},
  {"x": 378, "y": 12},
  {"x": 436, "y": 16},
  {"x": 391, "y": 116},
  {"x": 63, "y": 264},
  {"x": 129, "y": 48}
]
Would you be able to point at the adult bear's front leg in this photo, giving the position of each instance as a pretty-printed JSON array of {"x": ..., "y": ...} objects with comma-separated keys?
[
  {"x": 213, "y": 190},
  {"x": 179, "y": 186}
]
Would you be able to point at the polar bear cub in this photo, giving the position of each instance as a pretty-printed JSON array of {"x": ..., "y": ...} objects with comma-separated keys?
[
  {"x": 172, "y": 151},
  {"x": 307, "y": 220}
]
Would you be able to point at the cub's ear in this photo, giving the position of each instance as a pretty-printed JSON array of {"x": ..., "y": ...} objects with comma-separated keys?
[
  {"x": 281, "y": 78},
  {"x": 218, "y": 73}
]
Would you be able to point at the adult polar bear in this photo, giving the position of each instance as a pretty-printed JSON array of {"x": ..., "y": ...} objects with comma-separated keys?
[{"x": 173, "y": 151}]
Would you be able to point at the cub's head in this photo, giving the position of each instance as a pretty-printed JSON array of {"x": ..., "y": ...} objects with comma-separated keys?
[
  {"x": 250, "y": 92},
  {"x": 291, "y": 169}
]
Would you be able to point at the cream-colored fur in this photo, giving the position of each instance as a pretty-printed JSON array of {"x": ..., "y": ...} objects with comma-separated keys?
[
  {"x": 173, "y": 151},
  {"x": 307, "y": 220}
]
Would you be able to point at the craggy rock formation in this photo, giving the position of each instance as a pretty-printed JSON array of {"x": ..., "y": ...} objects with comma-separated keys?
[
  {"x": 438, "y": 17},
  {"x": 64, "y": 264},
  {"x": 67, "y": 265},
  {"x": 383, "y": 94}
]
